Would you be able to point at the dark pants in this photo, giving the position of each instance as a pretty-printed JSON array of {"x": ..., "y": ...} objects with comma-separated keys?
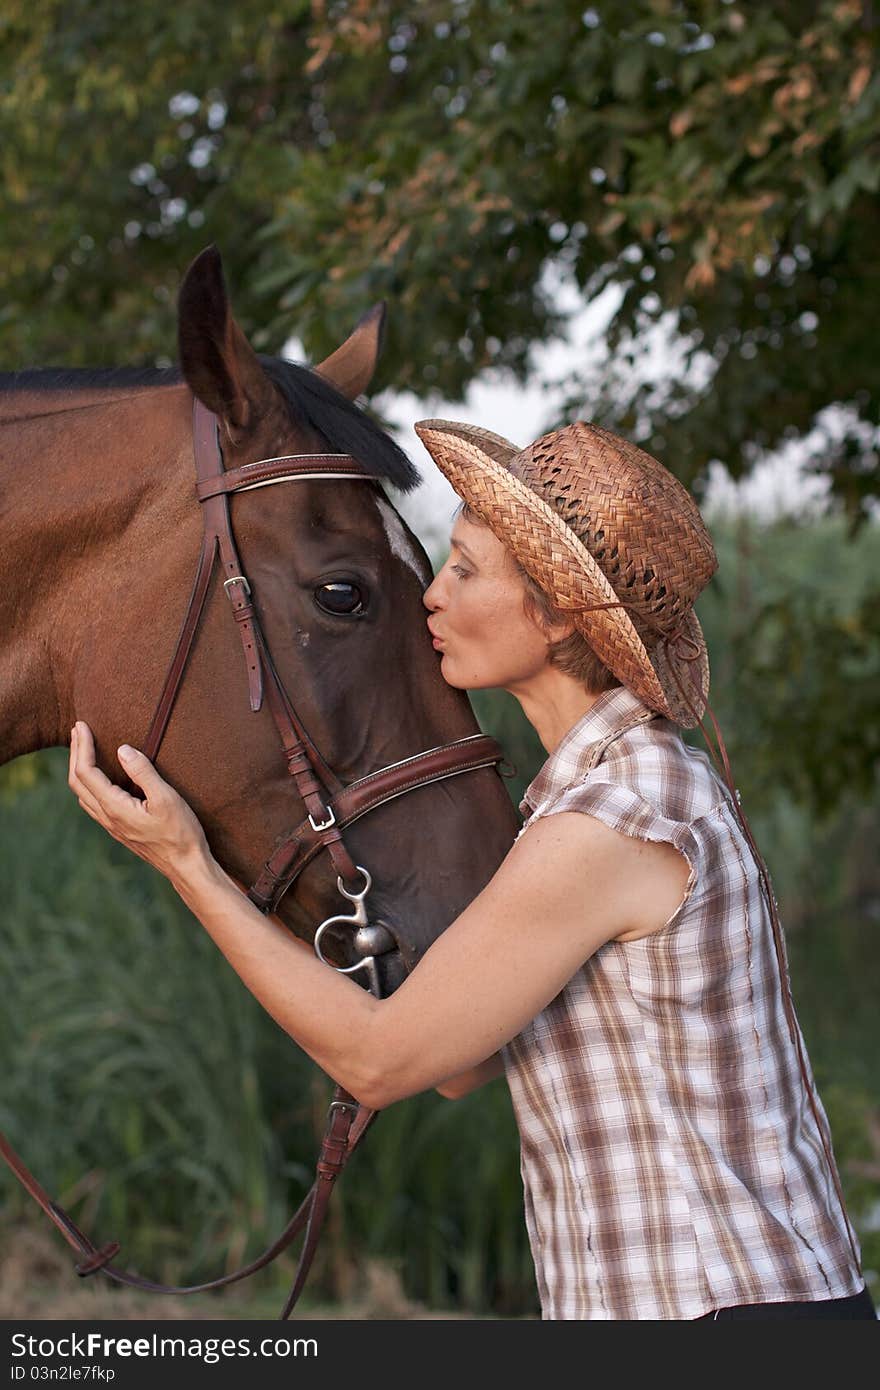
[{"x": 857, "y": 1305}]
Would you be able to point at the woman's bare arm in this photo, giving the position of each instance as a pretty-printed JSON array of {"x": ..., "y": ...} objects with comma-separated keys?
[
  {"x": 467, "y": 1081},
  {"x": 498, "y": 965}
]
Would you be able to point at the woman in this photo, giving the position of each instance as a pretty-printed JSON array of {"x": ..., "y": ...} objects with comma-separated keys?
[{"x": 623, "y": 966}]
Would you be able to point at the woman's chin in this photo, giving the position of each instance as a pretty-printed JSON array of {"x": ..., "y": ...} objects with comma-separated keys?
[
  {"x": 459, "y": 680},
  {"x": 447, "y": 671}
]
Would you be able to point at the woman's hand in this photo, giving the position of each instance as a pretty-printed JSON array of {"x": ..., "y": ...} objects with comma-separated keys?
[{"x": 162, "y": 829}]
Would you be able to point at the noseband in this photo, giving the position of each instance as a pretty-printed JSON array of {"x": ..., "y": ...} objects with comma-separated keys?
[{"x": 330, "y": 808}]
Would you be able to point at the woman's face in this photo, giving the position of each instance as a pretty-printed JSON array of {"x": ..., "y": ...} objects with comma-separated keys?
[{"x": 477, "y": 618}]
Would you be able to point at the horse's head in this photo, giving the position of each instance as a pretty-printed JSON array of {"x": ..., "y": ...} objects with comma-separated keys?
[{"x": 337, "y": 580}]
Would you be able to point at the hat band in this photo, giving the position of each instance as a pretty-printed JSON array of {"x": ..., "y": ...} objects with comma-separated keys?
[{"x": 678, "y": 640}]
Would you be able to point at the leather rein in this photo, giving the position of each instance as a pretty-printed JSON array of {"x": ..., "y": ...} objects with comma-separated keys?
[{"x": 330, "y": 808}]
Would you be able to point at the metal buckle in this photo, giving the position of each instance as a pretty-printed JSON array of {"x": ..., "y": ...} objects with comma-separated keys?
[
  {"x": 237, "y": 579},
  {"x": 341, "y": 1105},
  {"x": 325, "y": 824}
]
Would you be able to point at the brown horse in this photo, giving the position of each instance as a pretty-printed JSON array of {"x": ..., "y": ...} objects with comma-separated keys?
[{"x": 100, "y": 531}]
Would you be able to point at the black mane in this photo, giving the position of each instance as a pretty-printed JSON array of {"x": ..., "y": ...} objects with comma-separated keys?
[
  {"x": 347, "y": 428},
  {"x": 309, "y": 398}
]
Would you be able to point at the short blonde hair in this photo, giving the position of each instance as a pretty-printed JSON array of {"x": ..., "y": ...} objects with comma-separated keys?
[{"x": 572, "y": 655}]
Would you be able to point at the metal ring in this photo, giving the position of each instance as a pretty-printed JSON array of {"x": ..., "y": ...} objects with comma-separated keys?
[
  {"x": 355, "y": 897},
  {"x": 340, "y": 969}
]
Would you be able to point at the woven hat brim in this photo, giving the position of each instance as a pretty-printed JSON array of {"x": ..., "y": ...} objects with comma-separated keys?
[{"x": 561, "y": 564}]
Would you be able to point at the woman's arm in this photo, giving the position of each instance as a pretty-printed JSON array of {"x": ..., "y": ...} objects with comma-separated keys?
[
  {"x": 566, "y": 887},
  {"x": 457, "y": 1086}
]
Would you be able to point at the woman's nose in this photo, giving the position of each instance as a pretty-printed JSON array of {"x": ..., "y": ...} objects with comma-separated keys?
[{"x": 431, "y": 596}]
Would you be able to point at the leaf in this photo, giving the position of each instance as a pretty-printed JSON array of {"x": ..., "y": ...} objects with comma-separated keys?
[
  {"x": 858, "y": 81},
  {"x": 629, "y": 70}
]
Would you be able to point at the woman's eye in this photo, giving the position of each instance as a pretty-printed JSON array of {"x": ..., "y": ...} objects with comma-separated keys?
[
  {"x": 462, "y": 573},
  {"x": 340, "y": 597}
]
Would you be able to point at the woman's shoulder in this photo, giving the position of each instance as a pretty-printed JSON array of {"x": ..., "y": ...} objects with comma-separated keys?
[
  {"x": 653, "y": 761},
  {"x": 631, "y": 768}
]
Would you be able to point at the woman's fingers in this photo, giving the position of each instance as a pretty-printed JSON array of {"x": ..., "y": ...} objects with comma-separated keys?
[
  {"x": 84, "y": 797},
  {"x": 86, "y": 800},
  {"x": 142, "y": 772},
  {"x": 96, "y": 792},
  {"x": 162, "y": 828}
]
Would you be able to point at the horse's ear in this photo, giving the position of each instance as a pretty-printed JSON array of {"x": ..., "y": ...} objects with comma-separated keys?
[
  {"x": 350, "y": 368},
  {"x": 218, "y": 363}
]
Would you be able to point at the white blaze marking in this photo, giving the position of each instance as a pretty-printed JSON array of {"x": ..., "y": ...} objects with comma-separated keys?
[{"x": 401, "y": 545}]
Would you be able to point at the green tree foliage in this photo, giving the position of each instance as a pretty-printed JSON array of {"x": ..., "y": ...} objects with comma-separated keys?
[
  {"x": 717, "y": 162},
  {"x": 793, "y": 625}
]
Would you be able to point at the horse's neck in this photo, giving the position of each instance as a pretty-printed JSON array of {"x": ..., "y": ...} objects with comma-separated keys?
[{"x": 80, "y": 473}]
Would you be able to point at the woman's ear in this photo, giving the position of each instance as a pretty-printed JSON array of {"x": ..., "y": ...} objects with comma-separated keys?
[
  {"x": 558, "y": 631},
  {"x": 552, "y": 629}
]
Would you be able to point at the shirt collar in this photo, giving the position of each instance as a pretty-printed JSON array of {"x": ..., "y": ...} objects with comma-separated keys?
[{"x": 570, "y": 759}]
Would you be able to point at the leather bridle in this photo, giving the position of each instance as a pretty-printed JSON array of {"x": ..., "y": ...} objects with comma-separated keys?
[{"x": 329, "y": 808}]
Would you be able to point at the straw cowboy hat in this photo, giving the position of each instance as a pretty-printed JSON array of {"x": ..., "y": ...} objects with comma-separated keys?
[{"x": 609, "y": 534}]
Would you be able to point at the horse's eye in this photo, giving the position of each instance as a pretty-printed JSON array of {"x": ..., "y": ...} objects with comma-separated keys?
[{"x": 340, "y": 597}]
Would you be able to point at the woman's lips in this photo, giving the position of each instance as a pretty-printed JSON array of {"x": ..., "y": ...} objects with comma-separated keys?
[{"x": 437, "y": 644}]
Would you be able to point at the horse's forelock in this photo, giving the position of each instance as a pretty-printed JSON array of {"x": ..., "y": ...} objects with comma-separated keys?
[{"x": 346, "y": 428}]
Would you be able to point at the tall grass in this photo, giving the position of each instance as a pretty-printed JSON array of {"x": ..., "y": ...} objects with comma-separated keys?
[
  {"x": 148, "y": 1091},
  {"x": 134, "y": 1088}
]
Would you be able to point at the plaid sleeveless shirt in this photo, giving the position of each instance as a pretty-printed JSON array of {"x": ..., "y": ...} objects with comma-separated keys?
[{"x": 670, "y": 1159}]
